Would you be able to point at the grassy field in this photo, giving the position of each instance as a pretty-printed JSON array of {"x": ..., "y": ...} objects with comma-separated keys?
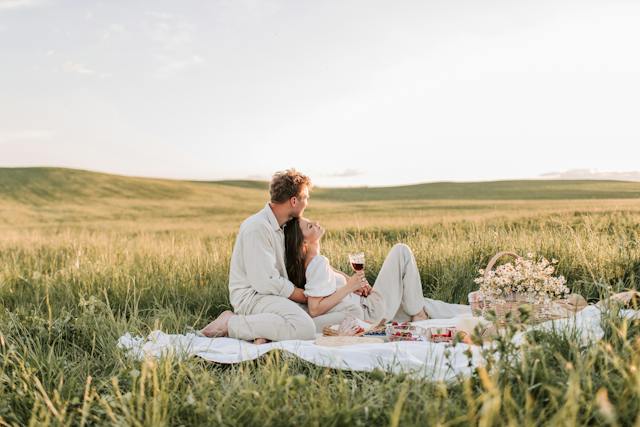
[{"x": 85, "y": 257}]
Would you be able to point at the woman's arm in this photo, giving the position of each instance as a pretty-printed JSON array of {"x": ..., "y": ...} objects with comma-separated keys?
[
  {"x": 320, "y": 305},
  {"x": 364, "y": 290}
]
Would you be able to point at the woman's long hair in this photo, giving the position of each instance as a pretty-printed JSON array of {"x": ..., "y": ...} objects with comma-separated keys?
[{"x": 294, "y": 253}]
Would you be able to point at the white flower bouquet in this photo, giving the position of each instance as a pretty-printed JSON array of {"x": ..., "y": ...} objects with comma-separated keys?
[
  {"x": 528, "y": 275},
  {"x": 528, "y": 280}
]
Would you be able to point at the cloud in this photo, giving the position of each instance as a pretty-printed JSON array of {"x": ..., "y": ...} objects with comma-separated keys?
[
  {"x": 593, "y": 174},
  {"x": 347, "y": 173},
  {"x": 17, "y": 4},
  {"x": 170, "y": 32},
  {"x": 258, "y": 177},
  {"x": 113, "y": 30},
  {"x": 25, "y": 135},
  {"x": 82, "y": 69},
  {"x": 174, "y": 39},
  {"x": 172, "y": 66},
  {"x": 76, "y": 67}
]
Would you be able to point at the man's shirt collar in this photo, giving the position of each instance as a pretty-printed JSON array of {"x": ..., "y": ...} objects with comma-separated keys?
[{"x": 272, "y": 218}]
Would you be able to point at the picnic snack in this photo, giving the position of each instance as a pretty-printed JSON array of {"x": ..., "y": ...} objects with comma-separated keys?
[
  {"x": 354, "y": 327},
  {"x": 350, "y": 327},
  {"x": 441, "y": 334},
  {"x": 404, "y": 331}
]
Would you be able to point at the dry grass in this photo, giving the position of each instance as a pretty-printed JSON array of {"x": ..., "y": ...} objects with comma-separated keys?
[{"x": 74, "y": 277}]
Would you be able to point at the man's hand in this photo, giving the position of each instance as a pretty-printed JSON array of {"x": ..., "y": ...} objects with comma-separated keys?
[{"x": 298, "y": 296}]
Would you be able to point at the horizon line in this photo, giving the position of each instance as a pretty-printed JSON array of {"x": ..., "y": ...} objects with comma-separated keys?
[{"x": 543, "y": 177}]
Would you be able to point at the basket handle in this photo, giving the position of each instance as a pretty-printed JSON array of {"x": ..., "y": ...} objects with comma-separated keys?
[{"x": 495, "y": 259}]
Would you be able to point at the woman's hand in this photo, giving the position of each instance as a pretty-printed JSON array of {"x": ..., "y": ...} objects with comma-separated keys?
[
  {"x": 357, "y": 282},
  {"x": 365, "y": 290}
]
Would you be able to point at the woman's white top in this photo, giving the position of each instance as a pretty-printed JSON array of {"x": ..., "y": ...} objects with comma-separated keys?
[{"x": 322, "y": 281}]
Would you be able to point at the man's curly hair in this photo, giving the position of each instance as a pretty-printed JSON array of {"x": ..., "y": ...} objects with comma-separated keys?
[{"x": 287, "y": 184}]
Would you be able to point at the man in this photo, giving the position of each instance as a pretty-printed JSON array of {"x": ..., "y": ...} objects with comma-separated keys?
[{"x": 265, "y": 302}]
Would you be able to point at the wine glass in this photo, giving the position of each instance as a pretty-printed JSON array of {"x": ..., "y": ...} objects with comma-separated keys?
[{"x": 357, "y": 261}]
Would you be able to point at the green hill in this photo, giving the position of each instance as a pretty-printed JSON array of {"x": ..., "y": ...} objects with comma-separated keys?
[
  {"x": 256, "y": 185},
  {"x": 69, "y": 197},
  {"x": 494, "y": 190},
  {"x": 51, "y": 185},
  {"x": 56, "y": 197},
  {"x": 57, "y": 184}
]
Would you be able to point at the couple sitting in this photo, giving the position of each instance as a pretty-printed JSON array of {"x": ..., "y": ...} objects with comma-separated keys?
[{"x": 282, "y": 288}]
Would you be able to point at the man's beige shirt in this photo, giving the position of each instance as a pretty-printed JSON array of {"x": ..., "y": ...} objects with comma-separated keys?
[{"x": 257, "y": 261}]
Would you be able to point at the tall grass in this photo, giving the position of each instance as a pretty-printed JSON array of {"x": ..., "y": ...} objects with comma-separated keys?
[{"x": 68, "y": 293}]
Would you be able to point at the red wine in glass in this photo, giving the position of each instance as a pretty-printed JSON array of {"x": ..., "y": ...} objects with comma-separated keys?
[
  {"x": 357, "y": 261},
  {"x": 357, "y": 266}
]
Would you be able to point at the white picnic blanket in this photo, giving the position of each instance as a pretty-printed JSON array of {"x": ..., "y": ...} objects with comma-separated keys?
[{"x": 436, "y": 361}]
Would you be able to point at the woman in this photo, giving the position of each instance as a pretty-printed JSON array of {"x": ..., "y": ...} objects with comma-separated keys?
[{"x": 332, "y": 295}]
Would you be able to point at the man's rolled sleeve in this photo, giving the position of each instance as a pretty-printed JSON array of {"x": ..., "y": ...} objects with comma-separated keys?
[
  {"x": 260, "y": 264},
  {"x": 287, "y": 288}
]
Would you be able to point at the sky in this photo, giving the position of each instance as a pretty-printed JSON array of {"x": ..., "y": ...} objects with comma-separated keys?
[{"x": 350, "y": 92}]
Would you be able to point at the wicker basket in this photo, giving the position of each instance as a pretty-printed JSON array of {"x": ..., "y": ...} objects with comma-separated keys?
[{"x": 511, "y": 303}]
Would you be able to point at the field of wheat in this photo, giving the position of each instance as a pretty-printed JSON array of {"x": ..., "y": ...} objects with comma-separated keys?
[{"x": 88, "y": 257}]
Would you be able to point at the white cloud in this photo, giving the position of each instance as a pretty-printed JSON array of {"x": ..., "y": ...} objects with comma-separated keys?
[
  {"x": 174, "y": 39},
  {"x": 593, "y": 174},
  {"x": 169, "y": 32},
  {"x": 172, "y": 66},
  {"x": 113, "y": 30},
  {"x": 258, "y": 177},
  {"x": 25, "y": 135},
  {"x": 347, "y": 173},
  {"x": 78, "y": 68},
  {"x": 17, "y": 4},
  {"x": 82, "y": 69}
]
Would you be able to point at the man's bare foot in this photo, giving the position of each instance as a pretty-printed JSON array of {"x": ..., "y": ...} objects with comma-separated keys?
[
  {"x": 421, "y": 315},
  {"x": 219, "y": 327},
  {"x": 259, "y": 341}
]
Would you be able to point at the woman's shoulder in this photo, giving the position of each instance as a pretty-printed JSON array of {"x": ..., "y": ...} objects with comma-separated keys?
[
  {"x": 320, "y": 281},
  {"x": 318, "y": 263}
]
